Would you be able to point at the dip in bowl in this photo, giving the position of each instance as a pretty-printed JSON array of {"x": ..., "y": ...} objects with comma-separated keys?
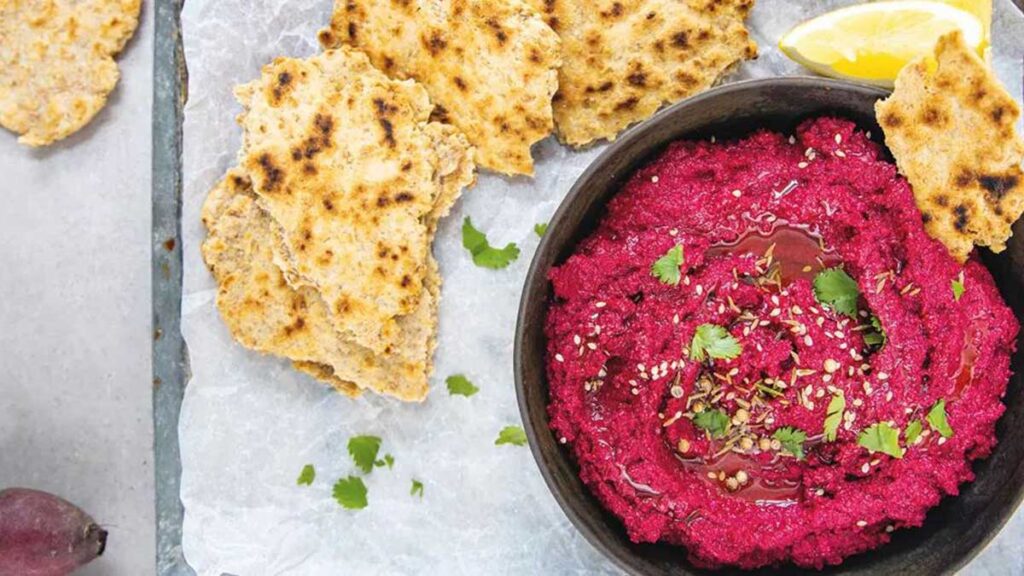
[{"x": 750, "y": 354}]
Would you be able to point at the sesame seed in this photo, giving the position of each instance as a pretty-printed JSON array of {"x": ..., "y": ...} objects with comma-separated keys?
[
  {"x": 802, "y": 165},
  {"x": 713, "y": 139},
  {"x": 888, "y": 396},
  {"x": 792, "y": 139},
  {"x": 576, "y": 340},
  {"x": 868, "y": 134},
  {"x": 883, "y": 376},
  {"x": 865, "y": 468},
  {"x": 591, "y": 346},
  {"x": 858, "y": 402},
  {"x": 839, "y": 138},
  {"x": 712, "y": 475},
  {"x": 861, "y": 523},
  {"x": 942, "y": 441},
  {"x": 562, "y": 440},
  {"x": 654, "y": 179},
  {"x": 808, "y": 341},
  {"x": 831, "y": 366},
  {"x": 699, "y": 289},
  {"x": 684, "y": 445},
  {"x": 559, "y": 357},
  {"x": 890, "y": 527},
  {"x": 677, "y": 391},
  {"x": 635, "y": 391},
  {"x": 600, "y": 304},
  {"x": 840, "y": 154},
  {"x": 737, "y": 193}
]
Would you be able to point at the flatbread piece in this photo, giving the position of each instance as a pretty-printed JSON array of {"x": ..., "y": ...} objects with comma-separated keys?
[
  {"x": 950, "y": 125},
  {"x": 57, "y": 63},
  {"x": 624, "y": 59},
  {"x": 264, "y": 313},
  {"x": 352, "y": 173},
  {"x": 490, "y": 66}
]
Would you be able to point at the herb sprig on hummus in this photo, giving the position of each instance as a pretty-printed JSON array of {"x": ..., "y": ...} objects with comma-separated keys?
[
  {"x": 881, "y": 437},
  {"x": 667, "y": 269},
  {"x": 714, "y": 341}
]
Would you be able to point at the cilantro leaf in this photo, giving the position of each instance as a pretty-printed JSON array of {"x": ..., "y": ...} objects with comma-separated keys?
[
  {"x": 483, "y": 254},
  {"x": 958, "y": 287},
  {"x": 307, "y": 475},
  {"x": 834, "y": 416},
  {"x": 714, "y": 341},
  {"x": 350, "y": 492},
  {"x": 388, "y": 461},
  {"x": 714, "y": 421},
  {"x": 881, "y": 437},
  {"x": 363, "y": 450},
  {"x": 876, "y": 336},
  {"x": 460, "y": 385},
  {"x": 540, "y": 229},
  {"x": 913, "y": 431},
  {"x": 792, "y": 440},
  {"x": 937, "y": 419},
  {"x": 417, "y": 488},
  {"x": 514, "y": 435},
  {"x": 667, "y": 268},
  {"x": 835, "y": 288}
]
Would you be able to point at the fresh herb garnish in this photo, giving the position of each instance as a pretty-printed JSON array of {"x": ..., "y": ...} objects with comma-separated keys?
[
  {"x": 363, "y": 450},
  {"x": 417, "y": 488},
  {"x": 514, "y": 435},
  {"x": 540, "y": 229},
  {"x": 881, "y": 437},
  {"x": 714, "y": 421},
  {"x": 792, "y": 440},
  {"x": 835, "y": 288},
  {"x": 937, "y": 419},
  {"x": 667, "y": 268},
  {"x": 834, "y": 416},
  {"x": 307, "y": 475},
  {"x": 913, "y": 432},
  {"x": 714, "y": 341},
  {"x": 876, "y": 336},
  {"x": 459, "y": 385},
  {"x": 483, "y": 254},
  {"x": 388, "y": 461},
  {"x": 350, "y": 492},
  {"x": 958, "y": 287}
]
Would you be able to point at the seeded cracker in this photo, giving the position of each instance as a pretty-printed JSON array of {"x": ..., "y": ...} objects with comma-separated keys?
[
  {"x": 489, "y": 65},
  {"x": 57, "y": 63},
  {"x": 266, "y": 314},
  {"x": 624, "y": 59},
  {"x": 352, "y": 173},
  {"x": 950, "y": 126}
]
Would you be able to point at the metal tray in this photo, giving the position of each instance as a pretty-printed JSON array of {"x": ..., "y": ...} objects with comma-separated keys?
[{"x": 170, "y": 355}]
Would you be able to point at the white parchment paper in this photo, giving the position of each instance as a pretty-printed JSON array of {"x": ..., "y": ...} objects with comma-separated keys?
[{"x": 250, "y": 423}]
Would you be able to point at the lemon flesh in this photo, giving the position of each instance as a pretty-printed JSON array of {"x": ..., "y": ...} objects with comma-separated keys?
[{"x": 873, "y": 42}]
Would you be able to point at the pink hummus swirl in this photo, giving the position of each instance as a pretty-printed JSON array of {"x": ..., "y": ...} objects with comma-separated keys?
[{"x": 758, "y": 219}]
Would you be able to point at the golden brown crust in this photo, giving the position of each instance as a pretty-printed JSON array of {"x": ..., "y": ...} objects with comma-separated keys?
[
  {"x": 950, "y": 126},
  {"x": 347, "y": 164},
  {"x": 57, "y": 63},
  {"x": 264, "y": 313},
  {"x": 624, "y": 59},
  {"x": 489, "y": 65}
]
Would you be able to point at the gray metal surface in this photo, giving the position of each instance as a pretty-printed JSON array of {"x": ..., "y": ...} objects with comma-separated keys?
[{"x": 170, "y": 357}]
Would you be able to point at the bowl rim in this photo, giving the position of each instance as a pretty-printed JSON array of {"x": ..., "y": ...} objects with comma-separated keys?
[{"x": 625, "y": 140}]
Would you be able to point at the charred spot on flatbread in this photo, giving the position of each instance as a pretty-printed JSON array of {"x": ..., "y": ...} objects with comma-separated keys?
[
  {"x": 57, "y": 63},
  {"x": 488, "y": 65},
  {"x": 265, "y": 313},
  {"x": 624, "y": 59},
  {"x": 344, "y": 161},
  {"x": 950, "y": 126}
]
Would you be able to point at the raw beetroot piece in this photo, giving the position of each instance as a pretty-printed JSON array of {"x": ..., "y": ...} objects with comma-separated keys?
[{"x": 43, "y": 535}]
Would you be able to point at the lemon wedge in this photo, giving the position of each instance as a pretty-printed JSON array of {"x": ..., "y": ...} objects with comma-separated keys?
[{"x": 872, "y": 42}]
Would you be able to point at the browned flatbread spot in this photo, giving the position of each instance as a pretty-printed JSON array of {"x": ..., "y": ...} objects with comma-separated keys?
[
  {"x": 950, "y": 126},
  {"x": 352, "y": 173},
  {"x": 489, "y": 65},
  {"x": 624, "y": 59},
  {"x": 57, "y": 63},
  {"x": 264, "y": 313}
]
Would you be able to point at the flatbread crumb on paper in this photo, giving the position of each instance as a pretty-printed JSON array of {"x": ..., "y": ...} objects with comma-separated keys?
[
  {"x": 490, "y": 66},
  {"x": 950, "y": 125},
  {"x": 57, "y": 63},
  {"x": 353, "y": 175},
  {"x": 264, "y": 313},
  {"x": 624, "y": 59}
]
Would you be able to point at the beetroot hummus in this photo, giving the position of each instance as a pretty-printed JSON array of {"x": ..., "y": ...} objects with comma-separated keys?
[{"x": 761, "y": 356}]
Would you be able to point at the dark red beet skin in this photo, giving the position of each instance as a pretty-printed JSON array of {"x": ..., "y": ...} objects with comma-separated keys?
[{"x": 43, "y": 535}]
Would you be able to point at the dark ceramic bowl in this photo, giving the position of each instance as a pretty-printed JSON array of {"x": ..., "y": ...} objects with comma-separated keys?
[{"x": 953, "y": 533}]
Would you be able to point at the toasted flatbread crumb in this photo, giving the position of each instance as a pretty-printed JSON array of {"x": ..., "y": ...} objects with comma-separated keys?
[
  {"x": 57, "y": 63},
  {"x": 490, "y": 66},
  {"x": 950, "y": 125},
  {"x": 348, "y": 166},
  {"x": 624, "y": 59},
  {"x": 265, "y": 314}
]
